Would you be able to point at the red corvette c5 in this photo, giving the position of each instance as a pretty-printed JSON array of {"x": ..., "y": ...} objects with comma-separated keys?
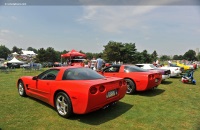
[
  {"x": 73, "y": 89},
  {"x": 137, "y": 79}
]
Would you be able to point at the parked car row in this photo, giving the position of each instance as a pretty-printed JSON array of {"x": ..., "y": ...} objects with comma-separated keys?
[{"x": 80, "y": 90}]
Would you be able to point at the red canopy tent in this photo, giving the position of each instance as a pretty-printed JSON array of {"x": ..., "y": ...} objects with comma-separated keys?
[{"x": 72, "y": 53}]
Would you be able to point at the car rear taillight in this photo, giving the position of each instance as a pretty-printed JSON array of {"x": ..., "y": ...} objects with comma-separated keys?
[
  {"x": 101, "y": 88},
  {"x": 151, "y": 76},
  {"x": 93, "y": 90}
]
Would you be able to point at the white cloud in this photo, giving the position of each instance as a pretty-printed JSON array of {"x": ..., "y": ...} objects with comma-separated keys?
[
  {"x": 21, "y": 36},
  {"x": 115, "y": 18},
  {"x": 5, "y": 31},
  {"x": 118, "y": 18},
  {"x": 13, "y": 18}
]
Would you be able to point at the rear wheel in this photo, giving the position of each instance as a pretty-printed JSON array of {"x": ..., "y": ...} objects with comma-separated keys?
[
  {"x": 21, "y": 89},
  {"x": 63, "y": 105},
  {"x": 131, "y": 87}
]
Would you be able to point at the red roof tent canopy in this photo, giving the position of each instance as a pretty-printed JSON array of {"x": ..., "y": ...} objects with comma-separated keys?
[{"x": 73, "y": 53}]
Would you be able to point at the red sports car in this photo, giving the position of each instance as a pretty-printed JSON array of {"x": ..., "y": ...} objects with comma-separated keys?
[
  {"x": 73, "y": 89},
  {"x": 137, "y": 79}
]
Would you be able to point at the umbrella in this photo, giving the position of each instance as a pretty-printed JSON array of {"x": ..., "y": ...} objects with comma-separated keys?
[{"x": 73, "y": 53}]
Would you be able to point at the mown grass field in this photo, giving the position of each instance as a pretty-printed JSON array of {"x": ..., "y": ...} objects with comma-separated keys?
[{"x": 173, "y": 105}]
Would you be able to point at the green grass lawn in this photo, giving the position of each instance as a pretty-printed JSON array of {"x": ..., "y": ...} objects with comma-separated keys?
[{"x": 173, "y": 105}]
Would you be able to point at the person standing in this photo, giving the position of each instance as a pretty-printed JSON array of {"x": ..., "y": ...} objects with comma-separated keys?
[{"x": 100, "y": 63}]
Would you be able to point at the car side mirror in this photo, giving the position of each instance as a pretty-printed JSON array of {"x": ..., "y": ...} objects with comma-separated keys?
[{"x": 35, "y": 78}]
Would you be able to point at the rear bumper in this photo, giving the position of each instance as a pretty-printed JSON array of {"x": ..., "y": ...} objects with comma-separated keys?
[{"x": 98, "y": 101}]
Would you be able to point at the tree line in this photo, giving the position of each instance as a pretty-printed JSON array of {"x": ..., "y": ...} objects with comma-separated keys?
[{"x": 113, "y": 51}]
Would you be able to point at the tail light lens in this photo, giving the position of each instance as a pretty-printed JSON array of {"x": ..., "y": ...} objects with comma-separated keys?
[
  {"x": 151, "y": 76},
  {"x": 101, "y": 88},
  {"x": 93, "y": 90}
]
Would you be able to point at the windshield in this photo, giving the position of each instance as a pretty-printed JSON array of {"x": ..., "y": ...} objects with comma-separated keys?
[{"x": 81, "y": 74}]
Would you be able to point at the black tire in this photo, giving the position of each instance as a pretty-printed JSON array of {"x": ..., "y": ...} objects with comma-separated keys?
[
  {"x": 131, "y": 87},
  {"x": 63, "y": 105},
  {"x": 21, "y": 89}
]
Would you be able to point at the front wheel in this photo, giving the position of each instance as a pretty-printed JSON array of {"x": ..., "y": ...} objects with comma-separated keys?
[
  {"x": 21, "y": 89},
  {"x": 131, "y": 87},
  {"x": 63, "y": 105}
]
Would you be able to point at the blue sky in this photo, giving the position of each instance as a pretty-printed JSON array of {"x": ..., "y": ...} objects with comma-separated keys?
[{"x": 169, "y": 30}]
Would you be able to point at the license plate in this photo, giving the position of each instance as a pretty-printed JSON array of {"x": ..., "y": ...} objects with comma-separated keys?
[{"x": 111, "y": 93}]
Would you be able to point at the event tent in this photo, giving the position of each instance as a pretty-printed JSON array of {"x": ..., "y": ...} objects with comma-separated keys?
[
  {"x": 14, "y": 60},
  {"x": 73, "y": 53},
  {"x": 28, "y": 53},
  {"x": 15, "y": 53}
]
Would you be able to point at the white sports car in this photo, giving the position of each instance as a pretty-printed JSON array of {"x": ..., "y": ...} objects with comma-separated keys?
[
  {"x": 175, "y": 71},
  {"x": 165, "y": 72}
]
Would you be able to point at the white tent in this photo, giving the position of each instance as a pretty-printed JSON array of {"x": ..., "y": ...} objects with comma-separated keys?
[
  {"x": 28, "y": 53},
  {"x": 15, "y": 53},
  {"x": 14, "y": 60}
]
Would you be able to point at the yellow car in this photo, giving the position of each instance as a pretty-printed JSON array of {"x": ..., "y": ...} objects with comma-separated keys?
[{"x": 186, "y": 67}]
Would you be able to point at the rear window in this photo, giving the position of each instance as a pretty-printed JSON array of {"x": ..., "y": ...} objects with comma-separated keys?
[
  {"x": 81, "y": 74},
  {"x": 132, "y": 68}
]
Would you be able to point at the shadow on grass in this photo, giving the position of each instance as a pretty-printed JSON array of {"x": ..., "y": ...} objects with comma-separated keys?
[
  {"x": 166, "y": 82},
  {"x": 177, "y": 77},
  {"x": 150, "y": 93},
  {"x": 41, "y": 102},
  {"x": 103, "y": 115},
  {"x": 97, "y": 117}
]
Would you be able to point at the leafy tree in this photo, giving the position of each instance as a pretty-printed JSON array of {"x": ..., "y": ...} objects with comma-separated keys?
[
  {"x": 94, "y": 55},
  {"x": 17, "y": 50},
  {"x": 128, "y": 53},
  {"x": 41, "y": 57},
  {"x": 112, "y": 51},
  {"x": 198, "y": 57},
  {"x": 32, "y": 49},
  {"x": 176, "y": 57},
  {"x": 164, "y": 58},
  {"x": 145, "y": 57},
  {"x": 190, "y": 55},
  {"x": 51, "y": 55},
  {"x": 154, "y": 56},
  {"x": 117, "y": 51},
  {"x": 4, "y": 51},
  {"x": 138, "y": 58}
]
